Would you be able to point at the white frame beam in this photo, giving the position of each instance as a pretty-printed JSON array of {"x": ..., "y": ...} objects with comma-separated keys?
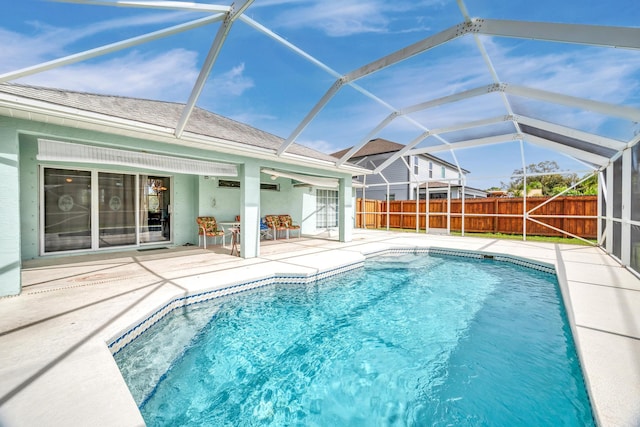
[
  {"x": 333, "y": 90},
  {"x": 590, "y": 138},
  {"x": 592, "y": 35},
  {"x": 147, "y": 4},
  {"x": 499, "y": 139},
  {"x": 472, "y": 124},
  {"x": 605, "y": 108},
  {"x": 459, "y": 96},
  {"x": 367, "y": 138},
  {"x": 231, "y": 16},
  {"x": 573, "y": 152},
  {"x": 401, "y": 152},
  {"x": 408, "y": 52}
]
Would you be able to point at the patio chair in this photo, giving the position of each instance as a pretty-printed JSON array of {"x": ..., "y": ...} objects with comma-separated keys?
[
  {"x": 286, "y": 221},
  {"x": 208, "y": 227},
  {"x": 273, "y": 222},
  {"x": 264, "y": 230}
]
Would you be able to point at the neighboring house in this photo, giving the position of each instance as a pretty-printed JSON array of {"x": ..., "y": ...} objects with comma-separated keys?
[
  {"x": 406, "y": 174},
  {"x": 82, "y": 173}
]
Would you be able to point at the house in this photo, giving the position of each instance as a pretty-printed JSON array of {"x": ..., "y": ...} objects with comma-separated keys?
[
  {"x": 401, "y": 179},
  {"x": 84, "y": 173}
]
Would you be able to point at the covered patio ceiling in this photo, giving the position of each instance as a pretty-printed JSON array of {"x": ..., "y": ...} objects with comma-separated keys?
[{"x": 468, "y": 115}]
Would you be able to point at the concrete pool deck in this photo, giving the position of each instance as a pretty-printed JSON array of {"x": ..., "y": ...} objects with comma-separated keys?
[{"x": 56, "y": 369}]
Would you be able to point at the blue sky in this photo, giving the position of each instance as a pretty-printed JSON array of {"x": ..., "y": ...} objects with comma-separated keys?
[{"x": 258, "y": 81}]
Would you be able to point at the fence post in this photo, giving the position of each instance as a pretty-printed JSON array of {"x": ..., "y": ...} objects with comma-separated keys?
[
  {"x": 427, "y": 207},
  {"x": 564, "y": 206},
  {"x": 402, "y": 224},
  {"x": 417, "y": 208}
]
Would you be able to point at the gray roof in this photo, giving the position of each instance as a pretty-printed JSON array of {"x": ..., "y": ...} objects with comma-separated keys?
[
  {"x": 383, "y": 146},
  {"x": 374, "y": 146},
  {"x": 161, "y": 113}
]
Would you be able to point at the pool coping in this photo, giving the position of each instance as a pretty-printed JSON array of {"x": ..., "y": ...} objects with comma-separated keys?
[{"x": 602, "y": 300}]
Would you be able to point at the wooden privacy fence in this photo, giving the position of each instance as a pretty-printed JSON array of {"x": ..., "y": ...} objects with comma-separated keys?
[{"x": 573, "y": 214}]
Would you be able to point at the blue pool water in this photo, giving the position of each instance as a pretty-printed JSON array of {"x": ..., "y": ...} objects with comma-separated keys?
[{"x": 411, "y": 340}]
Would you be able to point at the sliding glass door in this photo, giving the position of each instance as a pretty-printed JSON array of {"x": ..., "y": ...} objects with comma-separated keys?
[
  {"x": 117, "y": 209},
  {"x": 84, "y": 209},
  {"x": 155, "y": 204},
  {"x": 67, "y": 210}
]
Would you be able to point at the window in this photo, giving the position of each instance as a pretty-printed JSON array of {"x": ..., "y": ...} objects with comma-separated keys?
[
  {"x": 443, "y": 172},
  {"x": 437, "y": 196},
  {"x": 327, "y": 209},
  {"x": 225, "y": 183},
  {"x": 430, "y": 169},
  {"x": 391, "y": 197},
  {"x": 416, "y": 161}
]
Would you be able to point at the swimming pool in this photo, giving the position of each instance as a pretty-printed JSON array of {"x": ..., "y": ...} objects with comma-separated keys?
[{"x": 407, "y": 340}]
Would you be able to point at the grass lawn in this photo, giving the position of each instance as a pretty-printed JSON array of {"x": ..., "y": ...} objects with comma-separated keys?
[{"x": 563, "y": 240}]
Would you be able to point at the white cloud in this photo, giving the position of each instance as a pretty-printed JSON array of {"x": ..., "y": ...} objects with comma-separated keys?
[
  {"x": 247, "y": 116},
  {"x": 19, "y": 51},
  {"x": 168, "y": 76},
  {"x": 608, "y": 75},
  {"x": 319, "y": 144},
  {"x": 67, "y": 36},
  {"x": 270, "y": 3},
  {"x": 46, "y": 43},
  {"x": 337, "y": 18},
  {"x": 232, "y": 82}
]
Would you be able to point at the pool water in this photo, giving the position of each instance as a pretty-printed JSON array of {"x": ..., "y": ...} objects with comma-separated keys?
[{"x": 411, "y": 340}]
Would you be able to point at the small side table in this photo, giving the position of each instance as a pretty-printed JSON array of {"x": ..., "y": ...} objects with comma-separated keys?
[
  {"x": 234, "y": 241},
  {"x": 229, "y": 226}
]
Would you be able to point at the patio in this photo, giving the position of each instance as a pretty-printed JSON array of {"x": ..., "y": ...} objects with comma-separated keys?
[{"x": 57, "y": 369}]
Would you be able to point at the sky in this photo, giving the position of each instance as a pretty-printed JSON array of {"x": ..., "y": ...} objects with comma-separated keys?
[{"x": 261, "y": 82}]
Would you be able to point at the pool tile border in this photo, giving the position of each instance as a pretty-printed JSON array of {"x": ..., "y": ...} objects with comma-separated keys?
[
  {"x": 127, "y": 336},
  {"x": 523, "y": 262}
]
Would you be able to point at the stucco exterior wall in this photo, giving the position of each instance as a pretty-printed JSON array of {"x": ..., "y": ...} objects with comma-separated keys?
[
  {"x": 10, "y": 218},
  {"x": 191, "y": 195}
]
